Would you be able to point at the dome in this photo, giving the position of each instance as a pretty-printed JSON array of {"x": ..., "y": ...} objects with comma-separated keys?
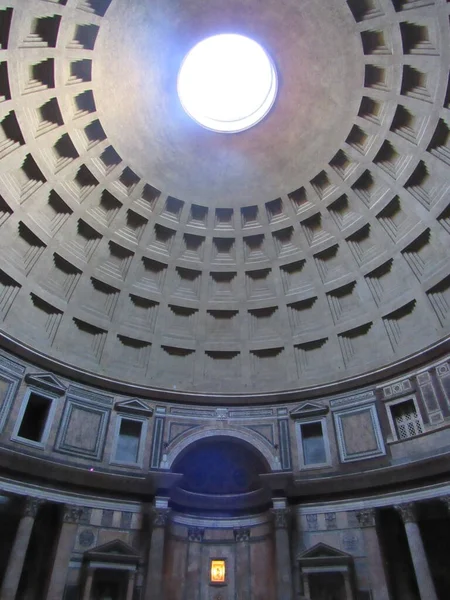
[{"x": 143, "y": 249}]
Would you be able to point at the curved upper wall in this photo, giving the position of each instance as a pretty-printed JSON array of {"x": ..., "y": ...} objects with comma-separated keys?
[
  {"x": 84, "y": 437},
  {"x": 310, "y": 249}
]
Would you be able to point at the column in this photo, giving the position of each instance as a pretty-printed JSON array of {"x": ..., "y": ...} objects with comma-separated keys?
[
  {"x": 155, "y": 564},
  {"x": 282, "y": 549},
  {"x": 378, "y": 580},
  {"x": 425, "y": 583},
  {"x": 19, "y": 550},
  {"x": 349, "y": 595},
  {"x": 88, "y": 584},
  {"x": 194, "y": 563},
  {"x": 58, "y": 577},
  {"x": 243, "y": 575},
  {"x": 130, "y": 586},
  {"x": 306, "y": 589}
]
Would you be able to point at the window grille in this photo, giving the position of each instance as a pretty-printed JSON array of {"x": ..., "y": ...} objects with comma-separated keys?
[{"x": 406, "y": 419}]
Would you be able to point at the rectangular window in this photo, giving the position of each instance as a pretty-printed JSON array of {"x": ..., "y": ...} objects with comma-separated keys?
[
  {"x": 34, "y": 418},
  {"x": 406, "y": 420},
  {"x": 313, "y": 444},
  {"x": 128, "y": 441}
]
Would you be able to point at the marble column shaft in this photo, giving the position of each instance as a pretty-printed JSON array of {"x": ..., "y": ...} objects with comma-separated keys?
[
  {"x": 193, "y": 564},
  {"x": 16, "y": 560},
  {"x": 58, "y": 577},
  {"x": 155, "y": 565},
  {"x": 130, "y": 584},
  {"x": 243, "y": 575},
  {"x": 283, "y": 554},
  {"x": 419, "y": 558},
  {"x": 378, "y": 579},
  {"x": 88, "y": 585}
]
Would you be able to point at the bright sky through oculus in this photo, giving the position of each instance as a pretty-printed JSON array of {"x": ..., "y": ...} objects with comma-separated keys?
[{"x": 227, "y": 83}]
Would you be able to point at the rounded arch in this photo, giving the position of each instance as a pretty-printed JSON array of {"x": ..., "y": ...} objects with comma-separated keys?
[{"x": 263, "y": 448}]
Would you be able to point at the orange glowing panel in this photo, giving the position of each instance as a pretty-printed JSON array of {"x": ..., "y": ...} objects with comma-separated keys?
[{"x": 217, "y": 571}]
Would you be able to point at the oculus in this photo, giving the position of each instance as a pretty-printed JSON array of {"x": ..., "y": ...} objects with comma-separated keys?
[{"x": 227, "y": 83}]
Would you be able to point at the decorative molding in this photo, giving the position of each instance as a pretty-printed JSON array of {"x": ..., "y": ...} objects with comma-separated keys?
[
  {"x": 222, "y": 414},
  {"x": 285, "y": 444},
  {"x": 134, "y": 406},
  {"x": 366, "y": 518},
  {"x": 281, "y": 517},
  {"x": 11, "y": 365},
  {"x": 47, "y": 382},
  {"x": 160, "y": 517},
  {"x": 5, "y": 405},
  {"x": 308, "y": 409},
  {"x": 86, "y": 538},
  {"x": 32, "y": 506},
  {"x": 115, "y": 551},
  {"x": 195, "y": 534},
  {"x": 398, "y": 388},
  {"x": 73, "y": 514},
  {"x": 242, "y": 534}
]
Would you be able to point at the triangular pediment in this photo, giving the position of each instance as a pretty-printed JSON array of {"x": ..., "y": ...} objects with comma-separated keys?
[
  {"x": 113, "y": 550},
  {"x": 308, "y": 409},
  {"x": 322, "y": 550},
  {"x": 134, "y": 406},
  {"x": 46, "y": 381}
]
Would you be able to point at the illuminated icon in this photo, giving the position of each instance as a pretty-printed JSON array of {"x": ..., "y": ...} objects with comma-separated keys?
[{"x": 217, "y": 571}]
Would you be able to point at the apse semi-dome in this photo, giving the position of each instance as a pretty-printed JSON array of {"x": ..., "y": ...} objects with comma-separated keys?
[{"x": 309, "y": 249}]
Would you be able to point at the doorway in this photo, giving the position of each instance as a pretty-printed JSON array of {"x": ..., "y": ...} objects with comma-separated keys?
[
  {"x": 327, "y": 586},
  {"x": 109, "y": 584}
]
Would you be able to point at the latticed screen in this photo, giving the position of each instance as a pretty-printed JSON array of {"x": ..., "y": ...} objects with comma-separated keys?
[{"x": 407, "y": 422}]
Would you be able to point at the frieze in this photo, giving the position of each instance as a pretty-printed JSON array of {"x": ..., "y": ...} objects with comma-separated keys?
[
  {"x": 192, "y": 412},
  {"x": 85, "y": 394},
  {"x": 330, "y": 520},
  {"x": 250, "y": 413},
  {"x": 312, "y": 522},
  {"x": 363, "y": 397}
]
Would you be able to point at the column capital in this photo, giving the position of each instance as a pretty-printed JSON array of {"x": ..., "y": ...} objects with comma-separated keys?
[
  {"x": 241, "y": 534},
  {"x": 160, "y": 517},
  {"x": 407, "y": 511},
  {"x": 446, "y": 501},
  {"x": 366, "y": 517},
  {"x": 281, "y": 517},
  {"x": 32, "y": 506},
  {"x": 195, "y": 534},
  {"x": 72, "y": 514}
]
